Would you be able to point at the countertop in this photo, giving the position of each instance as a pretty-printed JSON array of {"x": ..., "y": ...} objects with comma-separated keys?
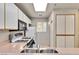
[
  {"x": 15, "y": 48},
  {"x": 7, "y": 47},
  {"x": 68, "y": 51}
]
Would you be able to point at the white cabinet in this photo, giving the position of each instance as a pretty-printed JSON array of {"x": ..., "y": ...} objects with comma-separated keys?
[
  {"x": 1, "y": 16},
  {"x": 65, "y": 41},
  {"x": 60, "y": 41},
  {"x": 20, "y": 13},
  {"x": 69, "y": 41},
  {"x": 27, "y": 20},
  {"x": 70, "y": 24},
  {"x": 60, "y": 24},
  {"x": 65, "y": 31},
  {"x": 65, "y": 24},
  {"x": 24, "y": 18},
  {"x": 11, "y": 16}
]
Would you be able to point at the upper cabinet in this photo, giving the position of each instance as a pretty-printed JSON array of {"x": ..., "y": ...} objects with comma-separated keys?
[
  {"x": 65, "y": 24},
  {"x": 70, "y": 24},
  {"x": 1, "y": 16},
  {"x": 20, "y": 14},
  {"x": 23, "y": 17},
  {"x": 60, "y": 24},
  {"x": 11, "y": 16}
]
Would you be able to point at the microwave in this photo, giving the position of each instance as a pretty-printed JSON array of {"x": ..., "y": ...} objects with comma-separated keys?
[{"x": 22, "y": 25}]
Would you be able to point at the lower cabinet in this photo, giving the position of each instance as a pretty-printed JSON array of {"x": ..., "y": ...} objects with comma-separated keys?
[
  {"x": 65, "y": 42},
  {"x": 60, "y": 41},
  {"x": 69, "y": 41}
]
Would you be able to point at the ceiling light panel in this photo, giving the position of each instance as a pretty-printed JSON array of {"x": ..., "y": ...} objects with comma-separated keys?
[{"x": 40, "y": 5}]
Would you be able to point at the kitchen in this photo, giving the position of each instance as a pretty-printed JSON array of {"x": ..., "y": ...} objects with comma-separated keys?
[{"x": 23, "y": 30}]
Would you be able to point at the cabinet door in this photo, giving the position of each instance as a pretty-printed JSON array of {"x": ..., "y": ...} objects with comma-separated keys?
[
  {"x": 24, "y": 18},
  {"x": 69, "y": 41},
  {"x": 69, "y": 24},
  {"x": 60, "y": 24},
  {"x": 29, "y": 21},
  {"x": 21, "y": 16},
  {"x": 60, "y": 41},
  {"x": 1, "y": 15},
  {"x": 11, "y": 16}
]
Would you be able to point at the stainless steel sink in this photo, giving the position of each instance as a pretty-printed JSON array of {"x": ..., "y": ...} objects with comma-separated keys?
[
  {"x": 48, "y": 51},
  {"x": 30, "y": 51},
  {"x": 39, "y": 51}
]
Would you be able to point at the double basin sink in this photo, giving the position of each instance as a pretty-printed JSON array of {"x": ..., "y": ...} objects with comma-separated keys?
[{"x": 32, "y": 50}]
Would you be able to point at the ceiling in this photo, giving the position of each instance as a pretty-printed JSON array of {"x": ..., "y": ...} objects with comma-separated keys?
[{"x": 28, "y": 9}]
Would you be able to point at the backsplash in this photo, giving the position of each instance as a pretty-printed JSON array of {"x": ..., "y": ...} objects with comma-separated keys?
[{"x": 4, "y": 35}]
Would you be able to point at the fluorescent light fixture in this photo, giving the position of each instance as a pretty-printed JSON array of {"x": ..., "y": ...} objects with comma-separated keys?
[{"x": 40, "y": 5}]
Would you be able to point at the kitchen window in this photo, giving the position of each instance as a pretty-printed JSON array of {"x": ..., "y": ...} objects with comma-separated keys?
[{"x": 41, "y": 26}]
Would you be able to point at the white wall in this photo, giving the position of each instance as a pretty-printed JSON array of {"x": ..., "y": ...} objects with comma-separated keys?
[{"x": 43, "y": 36}]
